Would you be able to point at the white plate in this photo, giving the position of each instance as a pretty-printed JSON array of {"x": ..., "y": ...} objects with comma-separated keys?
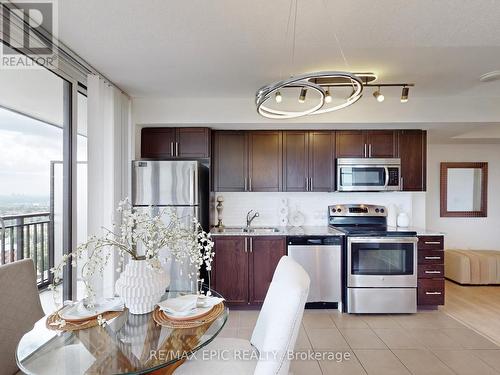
[
  {"x": 192, "y": 314},
  {"x": 78, "y": 311}
]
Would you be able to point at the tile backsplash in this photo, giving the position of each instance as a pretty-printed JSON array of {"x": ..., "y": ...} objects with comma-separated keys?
[{"x": 313, "y": 206}]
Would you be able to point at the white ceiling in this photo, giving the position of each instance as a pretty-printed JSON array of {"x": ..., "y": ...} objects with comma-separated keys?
[{"x": 229, "y": 48}]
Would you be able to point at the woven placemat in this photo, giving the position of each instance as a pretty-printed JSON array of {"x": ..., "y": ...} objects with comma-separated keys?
[
  {"x": 75, "y": 326},
  {"x": 163, "y": 320}
]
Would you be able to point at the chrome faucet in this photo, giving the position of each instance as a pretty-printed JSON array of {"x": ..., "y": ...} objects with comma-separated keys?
[{"x": 250, "y": 219}]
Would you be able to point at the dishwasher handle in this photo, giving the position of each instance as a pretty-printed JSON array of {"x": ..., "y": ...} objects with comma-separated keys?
[{"x": 314, "y": 240}]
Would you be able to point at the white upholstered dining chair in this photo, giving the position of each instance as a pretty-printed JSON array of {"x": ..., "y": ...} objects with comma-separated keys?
[
  {"x": 273, "y": 337},
  {"x": 20, "y": 309}
]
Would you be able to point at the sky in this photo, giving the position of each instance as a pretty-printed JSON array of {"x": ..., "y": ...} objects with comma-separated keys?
[{"x": 27, "y": 147}]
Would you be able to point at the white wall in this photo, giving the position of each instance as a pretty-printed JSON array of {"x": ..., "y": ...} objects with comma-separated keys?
[
  {"x": 313, "y": 205},
  {"x": 465, "y": 233},
  {"x": 231, "y": 110}
]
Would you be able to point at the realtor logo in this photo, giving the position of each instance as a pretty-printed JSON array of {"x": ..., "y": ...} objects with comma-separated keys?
[{"x": 28, "y": 33}]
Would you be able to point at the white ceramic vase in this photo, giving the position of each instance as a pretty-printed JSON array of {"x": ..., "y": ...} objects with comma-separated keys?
[
  {"x": 141, "y": 286},
  {"x": 403, "y": 220}
]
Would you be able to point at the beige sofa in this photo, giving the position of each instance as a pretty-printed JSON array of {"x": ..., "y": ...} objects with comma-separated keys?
[{"x": 474, "y": 267}]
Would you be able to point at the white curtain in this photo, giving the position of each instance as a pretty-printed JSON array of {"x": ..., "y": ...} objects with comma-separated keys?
[{"x": 109, "y": 157}]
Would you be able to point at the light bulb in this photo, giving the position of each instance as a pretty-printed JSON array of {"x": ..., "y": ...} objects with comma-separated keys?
[
  {"x": 378, "y": 95},
  {"x": 404, "y": 94},
  {"x": 328, "y": 97},
  {"x": 278, "y": 97},
  {"x": 302, "y": 96}
]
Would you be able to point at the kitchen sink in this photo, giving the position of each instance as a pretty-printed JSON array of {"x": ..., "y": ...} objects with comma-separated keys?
[
  {"x": 256, "y": 230},
  {"x": 262, "y": 230}
]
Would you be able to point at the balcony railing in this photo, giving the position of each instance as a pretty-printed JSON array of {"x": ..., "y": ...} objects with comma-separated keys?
[{"x": 29, "y": 236}]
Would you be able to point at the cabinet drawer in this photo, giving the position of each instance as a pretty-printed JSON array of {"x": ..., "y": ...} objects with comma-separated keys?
[
  {"x": 431, "y": 271},
  {"x": 430, "y": 243},
  {"x": 430, "y": 292},
  {"x": 430, "y": 257}
]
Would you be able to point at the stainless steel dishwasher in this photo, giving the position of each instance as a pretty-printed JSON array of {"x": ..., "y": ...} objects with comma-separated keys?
[{"x": 321, "y": 257}]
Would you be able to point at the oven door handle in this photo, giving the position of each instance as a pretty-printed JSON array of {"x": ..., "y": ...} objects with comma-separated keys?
[
  {"x": 382, "y": 239},
  {"x": 386, "y": 176}
]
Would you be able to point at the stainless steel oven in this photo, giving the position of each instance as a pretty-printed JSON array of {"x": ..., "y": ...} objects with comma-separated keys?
[
  {"x": 378, "y": 262},
  {"x": 369, "y": 174},
  {"x": 382, "y": 274}
]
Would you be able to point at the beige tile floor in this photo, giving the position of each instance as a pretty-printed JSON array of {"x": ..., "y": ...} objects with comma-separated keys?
[{"x": 426, "y": 343}]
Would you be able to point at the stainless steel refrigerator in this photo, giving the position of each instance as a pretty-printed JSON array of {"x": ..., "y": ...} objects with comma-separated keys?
[{"x": 179, "y": 185}]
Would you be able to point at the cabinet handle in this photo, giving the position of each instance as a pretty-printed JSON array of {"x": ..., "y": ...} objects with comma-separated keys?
[
  {"x": 307, "y": 184},
  {"x": 245, "y": 182},
  {"x": 432, "y": 242},
  {"x": 433, "y": 272},
  {"x": 310, "y": 184},
  {"x": 176, "y": 148},
  {"x": 171, "y": 148},
  {"x": 249, "y": 183},
  {"x": 432, "y": 258},
  {"x": 433, "y": 293},
  {"x": 402, "y": 182},
  {"x": 251, "y": 245},
  {"x": 246, "y": 246},
  {"x": 370, "y": 150},
  {"x": 364, "y": 152}
]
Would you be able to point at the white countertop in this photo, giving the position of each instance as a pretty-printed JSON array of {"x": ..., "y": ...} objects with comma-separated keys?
[{"x": 324, "y": 230}]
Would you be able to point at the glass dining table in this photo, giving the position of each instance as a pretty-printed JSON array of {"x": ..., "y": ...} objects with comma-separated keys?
[{"x": 127, "y": 344}]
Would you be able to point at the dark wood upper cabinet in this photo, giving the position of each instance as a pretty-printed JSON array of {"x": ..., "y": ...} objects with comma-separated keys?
[
  {"x": 381, "y": 143},
  {"x": 265, "y": 161},
  {"x": 308, "y": 161},
  {"x": 193, "y": 143},
  {"x": 413, "y": 155},
  {"x": 350, "y": 144},
  {"x": 230, "y": 270},
  {"x": 295, "y": 160},
  {"x": 322, "y": 161},
  {"x": 264, "y": 253},
  {"x": 157, "y": 142},
  {"x": 171, "y": 143},
  {"x": 366, "y": 144},
  {"x": 230, "y": 161}
]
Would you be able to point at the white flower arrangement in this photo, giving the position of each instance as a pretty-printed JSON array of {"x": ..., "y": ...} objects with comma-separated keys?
[{"x": 185, "y": 243}]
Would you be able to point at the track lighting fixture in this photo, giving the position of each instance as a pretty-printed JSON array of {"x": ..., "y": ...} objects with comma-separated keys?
[
  {"x": 328, "y": 96},
  {"x": 404, "y": 94},
  {"x": 302, "y": 96},
  {"x": 378, "y": 95},
  {"x": 278, "y": 97}
]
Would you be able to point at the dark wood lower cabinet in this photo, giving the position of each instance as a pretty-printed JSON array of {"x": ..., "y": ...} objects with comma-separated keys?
[
  {"x": 244, "y": 267},
  {"x": 230, "y": 271},
  {"x": 430, "y": 292},
  {"x": 430, "y": 287},
  {"x": 265, "y": 253}
]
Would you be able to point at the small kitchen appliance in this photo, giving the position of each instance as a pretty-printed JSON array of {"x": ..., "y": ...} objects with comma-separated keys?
[{"x": 368, "y": 174}]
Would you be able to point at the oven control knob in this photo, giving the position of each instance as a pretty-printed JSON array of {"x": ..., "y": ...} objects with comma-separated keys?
[
  {"x": 382, "y": 210},
  {"x": 339, "y": 210},
  {"x": 377, "y": 210}
]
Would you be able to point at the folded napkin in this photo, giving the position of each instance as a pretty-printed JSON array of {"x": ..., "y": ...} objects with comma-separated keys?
[
  {"x": 184, "y": 305},
  {"x": 179, "y": 305},
  {"x": 209, "y": 301}
]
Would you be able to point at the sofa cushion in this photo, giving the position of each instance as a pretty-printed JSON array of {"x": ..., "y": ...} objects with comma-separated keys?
[{"x": 475, "y": 267}]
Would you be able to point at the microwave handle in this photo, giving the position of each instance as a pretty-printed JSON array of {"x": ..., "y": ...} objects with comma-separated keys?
[{"x": 386, "y": 176}]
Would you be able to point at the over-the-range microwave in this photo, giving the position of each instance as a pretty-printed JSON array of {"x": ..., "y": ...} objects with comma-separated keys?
[{"x": 368, "y": 174}]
